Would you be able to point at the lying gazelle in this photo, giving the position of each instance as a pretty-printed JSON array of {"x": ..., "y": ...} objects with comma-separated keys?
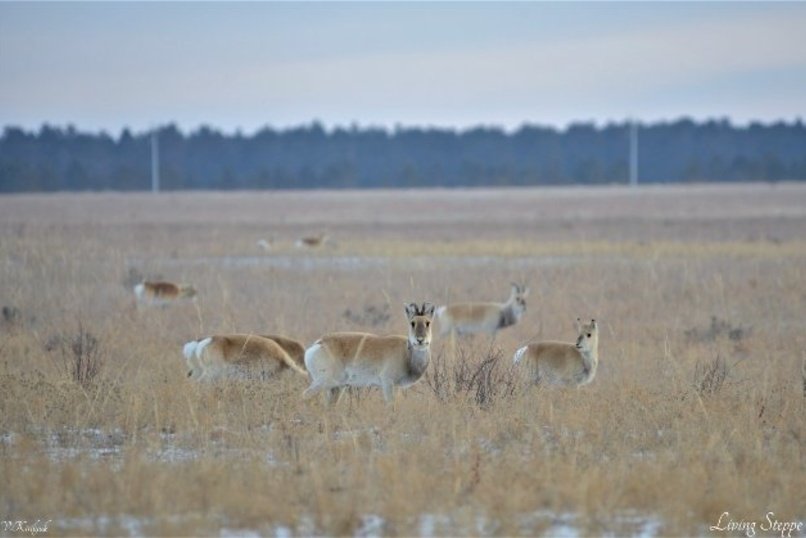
[
  {"x": 339, "y": 360},
  {"x": 162, "y": 293},
  {"x": 563, "y": 363},
  {"x": 243, "y": 356},
  {"x": 468, "y": 318},
  {"x": 312, "y": 241}
]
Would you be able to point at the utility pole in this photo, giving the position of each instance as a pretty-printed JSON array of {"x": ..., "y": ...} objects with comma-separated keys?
[
  {"x": 155, "y": 162},
  {"x": 633, "y": 153}
]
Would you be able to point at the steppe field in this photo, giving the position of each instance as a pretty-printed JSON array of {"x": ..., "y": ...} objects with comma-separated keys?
[{"x": 698, "y": 408}]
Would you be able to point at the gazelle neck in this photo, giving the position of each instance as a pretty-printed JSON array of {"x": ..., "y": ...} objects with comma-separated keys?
[
  {"x": 418, "y": 359},
  {"x": 509, "y": 316},
  {"x": 590, "y": 358}
]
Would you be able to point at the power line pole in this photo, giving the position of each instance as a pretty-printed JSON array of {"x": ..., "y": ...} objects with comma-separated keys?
[
  {"x": 633, "y": 153},
  {"x": 155, "y": 163}
]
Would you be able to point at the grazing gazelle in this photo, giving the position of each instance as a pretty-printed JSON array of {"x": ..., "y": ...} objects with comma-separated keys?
[
  {"x": 312, "y": 241},
  {"x": 244, "y": 356},
  {"x": 162, "y": 293},
  {"x": 468, "y": 318},
  {"x": 340, "y": 360},
  {"x": 563, "y": 363}
]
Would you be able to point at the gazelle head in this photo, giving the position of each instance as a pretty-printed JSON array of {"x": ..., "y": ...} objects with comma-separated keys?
[
  {"x": 518, "y": 297},
  {"x": 588, "y": 337},
  {"x": 420, "y": 324}
]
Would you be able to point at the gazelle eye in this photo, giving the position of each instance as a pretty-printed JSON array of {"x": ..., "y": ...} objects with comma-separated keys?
[
  {"x": 412, "y": 324},
  {"x": 427, "y": 323},
  {"x": 589, "y": 335}
]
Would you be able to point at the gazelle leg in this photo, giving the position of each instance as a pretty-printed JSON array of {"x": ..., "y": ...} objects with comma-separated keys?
[
  {"x": 333, "y": 395},
  {"x": 388, "y": 392}
]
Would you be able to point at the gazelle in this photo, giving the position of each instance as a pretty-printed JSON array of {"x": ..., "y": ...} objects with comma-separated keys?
[
  {"x": 312, "y": 241},
  {"x": 162, "y": 293},
  {"x": 246, "y": 356},
  {"x": 468, "y": 318},
  {"x": 340, "y": 360},
  {"x": 563, "y": 363}
]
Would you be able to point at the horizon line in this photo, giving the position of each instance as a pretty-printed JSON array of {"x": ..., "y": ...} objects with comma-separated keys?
[{"x": 332, "y": 127}]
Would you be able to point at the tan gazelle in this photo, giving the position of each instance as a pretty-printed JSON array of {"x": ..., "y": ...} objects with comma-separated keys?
[
  {"x": 469, "y": 318},
  {"x": 243, "y": 356},
  {"x": 562, "y": 363},
  {"x": 312, "y": 241},
  {"x": 162, "y": 293},
  {"x": 339, "y": 360}
]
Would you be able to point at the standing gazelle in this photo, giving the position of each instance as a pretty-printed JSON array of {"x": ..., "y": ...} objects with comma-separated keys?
[
  {"x": 563, "y": 363},
  {"x": 245, "y": 356},
  {"x": 162, "y": 293},
  {"x": 468, "y": 318},
  {"x": 340, "y": 360}
]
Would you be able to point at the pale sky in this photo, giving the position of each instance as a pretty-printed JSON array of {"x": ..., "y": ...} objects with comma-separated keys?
[{"x": 451, "y": 64}]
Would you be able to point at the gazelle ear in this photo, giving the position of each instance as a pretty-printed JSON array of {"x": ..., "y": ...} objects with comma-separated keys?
[
  {"x": 593, "y": 324},
  {"x": 578, "y": 324},
  {"x": 411, "y": 309},
  {"x": 428, "y": 309},
  {"x": 525, "y": 291}
]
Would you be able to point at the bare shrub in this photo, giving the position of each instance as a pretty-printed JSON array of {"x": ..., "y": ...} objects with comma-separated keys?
[
  {"x": 710, "y": 375},
  {"x": 11, "y": 314},
  {"x": 79, "y": 355},
  {"x": 481, "y": 376},
  {"x": 371, "y": 315},
  {"x": 717, "y": 328}
]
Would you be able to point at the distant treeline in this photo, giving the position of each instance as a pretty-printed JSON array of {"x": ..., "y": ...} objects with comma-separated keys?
[{"x": 57, "y": 159}]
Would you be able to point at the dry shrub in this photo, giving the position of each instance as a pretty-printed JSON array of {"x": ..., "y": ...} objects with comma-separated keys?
[
  {"x": 11, "y": 315},
  {"x": 483, "y": 377},
  {"x": 371, "y": 315},
  {"x": 710, "y": 375},
  {"x": 717, "y": 328},
  {"x": 78, "y": 355}
]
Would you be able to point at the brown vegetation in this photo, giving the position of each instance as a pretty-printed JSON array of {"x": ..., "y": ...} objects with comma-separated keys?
[{"x": 691, "y": 412}]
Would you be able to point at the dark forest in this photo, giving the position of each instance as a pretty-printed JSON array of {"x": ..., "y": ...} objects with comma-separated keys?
[{"x": 310, "y": 156}]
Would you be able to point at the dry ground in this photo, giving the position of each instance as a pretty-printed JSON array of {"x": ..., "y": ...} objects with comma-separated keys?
[{"x": 698, "y": 408}]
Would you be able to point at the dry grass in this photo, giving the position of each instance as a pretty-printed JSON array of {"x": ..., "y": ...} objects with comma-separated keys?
[{"x": 697, "y": 409}]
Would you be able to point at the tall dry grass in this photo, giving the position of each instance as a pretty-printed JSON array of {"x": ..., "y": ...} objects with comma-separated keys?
[{"x": 697, "y": 407}]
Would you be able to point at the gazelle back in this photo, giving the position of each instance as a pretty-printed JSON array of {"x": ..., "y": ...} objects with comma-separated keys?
[
  {"x": 242, "y": 356},
  {"x": 469, "y": 318},
  {"x": 339, "y": 360},
  {"x": 162, "y": 293},
  {"x": 312, "y": 241}
]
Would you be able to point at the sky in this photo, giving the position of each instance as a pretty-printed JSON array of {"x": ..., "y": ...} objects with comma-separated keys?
[{"x": 242, "y": 66}]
